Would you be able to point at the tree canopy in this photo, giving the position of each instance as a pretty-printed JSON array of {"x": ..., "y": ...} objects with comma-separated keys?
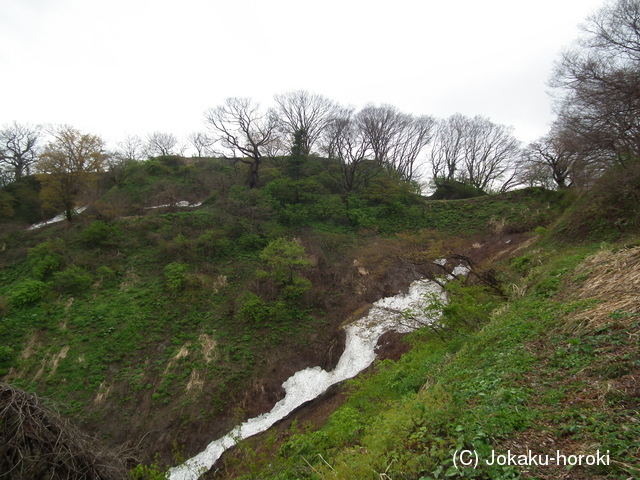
[{"x": 68, "y": 166}]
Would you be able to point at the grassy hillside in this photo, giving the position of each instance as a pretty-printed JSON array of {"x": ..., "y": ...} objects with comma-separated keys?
[
  {"x": 548, "y": 371},
  {"x": 163, "y": 328},
  {"x": 553, "y": 369}
]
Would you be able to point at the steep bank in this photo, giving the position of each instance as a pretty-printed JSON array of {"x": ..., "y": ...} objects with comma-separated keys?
[
  {"x": 145, "y": 319},
  {"x": 553, "y": 370}
]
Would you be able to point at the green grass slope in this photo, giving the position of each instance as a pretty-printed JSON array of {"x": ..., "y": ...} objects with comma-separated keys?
[
  {"x": 165, "y": 327},
  {"x": 552, "y": 371}
]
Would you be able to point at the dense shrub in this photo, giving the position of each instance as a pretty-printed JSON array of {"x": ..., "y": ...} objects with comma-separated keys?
[
  {"x": 254, "y": 309},
  {"x": 72, "y": 280},
  {"x": 286, "y": 191},
  {"x": 213, "y": 244},
  {"x": 46, "y": 258},
  {"x": 453, "y": 189},
  {"x": 611, "y": 208},
  {"x": 165, "y": 165},
  {"x": 328, "y": 207},
  {"x": 386, "y": 190},
  {"x": 296, "y": 289},
  {"x": 284, "y": 259},
  {"x": 7, "y": 204},
  {"x": 27, "y": 291},
  {"x": 98, "y": 233},
  {"x": 4, "y": 306},
  {"x": 294, "y": 215},
  {"x": 250, "y": 242},
  {"x": 105, "y": 273},
  {"x": 24, "y": 197},
  {"x": 6, "y": 359},
  {"x": 175, "y": 275}
]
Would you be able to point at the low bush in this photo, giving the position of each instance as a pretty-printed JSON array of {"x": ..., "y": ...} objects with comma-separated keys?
[
  {"x": 98, "y": 234},
  {"x": 254, "y": 309},
  {"x": 105, "y": 273},
  {"x": 46, "y": 258},
  {"x": 454, "y": 190},
  {"x": 72, "y": 280},
  {"x": 175, "y": 275},
  {"x": 27, "y": 291},
  {"x": 7, "y": 355}
]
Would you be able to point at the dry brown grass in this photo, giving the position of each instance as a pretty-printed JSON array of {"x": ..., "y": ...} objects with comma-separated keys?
[{"x": 613, "y": 279}]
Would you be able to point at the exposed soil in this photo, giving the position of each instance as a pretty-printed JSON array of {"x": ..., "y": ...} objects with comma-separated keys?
[{"x": 489, "y": 250}]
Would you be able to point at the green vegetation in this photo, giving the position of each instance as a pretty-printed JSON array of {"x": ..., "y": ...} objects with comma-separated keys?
[
  {"x": 155, "y": 323},
  {"x": 173, "y": 317},
  {"x": 111, "y": 301},
  {"x": 525, "y": 376}
]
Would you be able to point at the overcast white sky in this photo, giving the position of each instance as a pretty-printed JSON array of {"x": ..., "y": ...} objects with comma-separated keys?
[{"x": 131, "y": 67}]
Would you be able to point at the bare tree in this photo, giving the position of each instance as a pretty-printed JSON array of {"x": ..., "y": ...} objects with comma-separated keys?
[
  {"x": 347, "y": 143},
  {"x": 489, "y": 153},
  {"x": 382, "y": 125},
  {"x": 19, "y": 148},
  {"x": 475, "y": 151},
  {"x": 201, "y": 142},
  {"x": 132, "y": 148},
  {"x": 411, "y": 142},
  {"x": 243, "y": 129},
  {"x": 599, "y": 84},
  {"x": 551, "y": 157},
  {"x": 447, "y": 148},
  {"x": 614, "y": 31},
  {"x": 601, "y": 108},
  {"x": 301, "y": 111},
  {"x": 533, "y": 174},
  {"x": 161, "y": 144},
  {"x": 396, "y": 138}
]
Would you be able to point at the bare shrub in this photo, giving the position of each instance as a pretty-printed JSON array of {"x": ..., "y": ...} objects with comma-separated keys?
[{"x": 36, "y": 442}]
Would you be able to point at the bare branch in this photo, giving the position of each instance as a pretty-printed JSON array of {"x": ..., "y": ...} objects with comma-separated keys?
[
  {"x": 242, "y": 128},
  {"x": 201, "y": 142},
  {"x": 161, "y": 144},
  {"x": 132, "y": 148},
  {"x": 599, "y": 82},
  {"x": 474, "y": 150},
  {"x": 19, "y": 148},
  {"x": 396, "y": 138},
  {"x": 37, "y": 443},
  {"x": 347, "y": 143},
  {"x": 303, "y": 111}
]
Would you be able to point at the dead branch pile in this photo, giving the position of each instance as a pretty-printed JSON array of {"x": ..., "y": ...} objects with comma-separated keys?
[{"x": 36, "y": 443}]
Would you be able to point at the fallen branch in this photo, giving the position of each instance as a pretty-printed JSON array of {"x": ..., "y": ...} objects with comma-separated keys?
[{"x": 36, "y": 442}]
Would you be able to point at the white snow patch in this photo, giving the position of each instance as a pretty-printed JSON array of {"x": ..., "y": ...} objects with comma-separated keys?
[
  {"x": 57, "y": 218},
  {"x": 182, "y": 203}
]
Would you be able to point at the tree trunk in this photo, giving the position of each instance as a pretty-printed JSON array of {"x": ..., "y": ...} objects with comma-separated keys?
[{"x": 252, "y": 179}]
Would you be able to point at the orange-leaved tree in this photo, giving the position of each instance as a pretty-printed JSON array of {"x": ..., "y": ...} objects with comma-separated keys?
[{"x": 68, "y": 166}]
